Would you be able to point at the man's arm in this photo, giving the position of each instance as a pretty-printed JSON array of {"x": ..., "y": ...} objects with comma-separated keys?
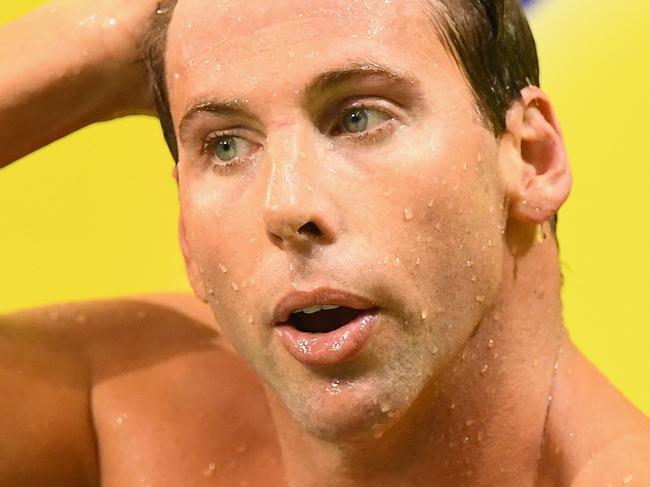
[
  {"x": 62, "y": 67},
  {"x": 66, "y": 65}
]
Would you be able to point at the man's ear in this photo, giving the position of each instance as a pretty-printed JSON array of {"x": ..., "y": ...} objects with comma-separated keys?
[
  {"x": 533, "y": 159},
  {"x": 191, "y": 267}
]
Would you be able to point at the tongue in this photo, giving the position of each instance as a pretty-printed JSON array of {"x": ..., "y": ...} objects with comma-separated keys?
[{"x": 324, "y": 321}]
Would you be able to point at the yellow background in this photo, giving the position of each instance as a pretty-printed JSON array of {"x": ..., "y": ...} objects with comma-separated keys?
[{"x": 94, "y": 215}]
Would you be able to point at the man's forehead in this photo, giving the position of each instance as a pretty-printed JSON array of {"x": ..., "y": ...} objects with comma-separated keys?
[
  {"x": 238, "y": 16},
  {"x": 209, "y": 24}
]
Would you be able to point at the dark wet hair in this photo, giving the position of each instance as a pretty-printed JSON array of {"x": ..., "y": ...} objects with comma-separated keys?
[{"x": 490, "y": 40}]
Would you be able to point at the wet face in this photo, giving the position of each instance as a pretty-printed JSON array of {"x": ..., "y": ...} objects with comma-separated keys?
[{"x": 331, "y": 154}]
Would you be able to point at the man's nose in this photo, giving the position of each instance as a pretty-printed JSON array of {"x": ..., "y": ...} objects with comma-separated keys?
[{"x": 298, "y": 212}]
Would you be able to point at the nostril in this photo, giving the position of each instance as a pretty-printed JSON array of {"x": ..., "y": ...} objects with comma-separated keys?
[{"x": 310, "y": 229}]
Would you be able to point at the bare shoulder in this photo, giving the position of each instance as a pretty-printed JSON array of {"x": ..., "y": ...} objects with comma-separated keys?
[
  {"x": 623, "y": 461},
  {"x": 595, "y": 436},
  {"x": 45, "y": 428},
  {"x": 51, "y": 359}
]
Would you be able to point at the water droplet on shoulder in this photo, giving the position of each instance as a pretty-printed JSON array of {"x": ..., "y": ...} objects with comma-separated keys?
[{"x": 209, "y": 471}]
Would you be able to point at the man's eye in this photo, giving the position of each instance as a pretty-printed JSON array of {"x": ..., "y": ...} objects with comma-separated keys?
[
  {"x": 228, "y": 147},
  {"x": 358, "y": 120}
]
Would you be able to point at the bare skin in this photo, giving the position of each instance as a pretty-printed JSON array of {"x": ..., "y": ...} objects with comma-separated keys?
[{"x": 151, "y": 391}]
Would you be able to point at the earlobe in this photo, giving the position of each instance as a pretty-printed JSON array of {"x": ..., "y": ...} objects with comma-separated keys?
[
  {"x": 533, "y": 156},
  {"x": 191, "y": 267}
]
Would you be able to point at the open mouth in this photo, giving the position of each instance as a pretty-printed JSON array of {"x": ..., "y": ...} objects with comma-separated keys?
[
  {"x": 324, "y": 318},
  {"x": 324, "y": 326}
]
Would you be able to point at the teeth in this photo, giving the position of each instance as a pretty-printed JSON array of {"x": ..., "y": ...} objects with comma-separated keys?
[{"x": 310, "y": 310}]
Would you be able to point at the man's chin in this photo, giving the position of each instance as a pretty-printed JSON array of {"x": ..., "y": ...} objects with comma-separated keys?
[{"x": 340, "y": 414}]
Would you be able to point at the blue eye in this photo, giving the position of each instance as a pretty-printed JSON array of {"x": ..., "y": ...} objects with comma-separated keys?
[
  {"x": 357, "y": 120},
  {"x": 225, "y": 148},
  {"x": 228, "y": 147}
]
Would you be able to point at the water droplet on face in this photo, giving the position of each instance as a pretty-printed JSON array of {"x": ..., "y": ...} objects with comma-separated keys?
[
  {"x": 334, "y": 387},
  {"x": 389, "y": 192},
  {"x": 250, "y": 320},
  {"x": 430, "y": 204},
  {"x": 465, "y": 440},
  {"x": 398, "y": 261},
  {"x": 424, "y": 314},
  {"x": 484, "y": 369},
  {"x": 310, "y": 188},
  {"x": 81, "y": 319},
  {"x": 628, "y": 479},
  {"x": 480, "y": 298},
  {"x": 470, "y": 263},
  {"x": 223, "y": 268},
  {"x": 120, "y": 420},
  {"x": 469, "y": 422},
  {"x": 234, "y": 286},
  {"x": 408, "y": 214},
  {"x": 210, "y": 291},
  {"x": 490, "y": 343},
  {"x": 417, "y": 261}
]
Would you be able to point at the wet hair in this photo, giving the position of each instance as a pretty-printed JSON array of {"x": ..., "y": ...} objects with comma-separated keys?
[{"x": 490, "y": 41}]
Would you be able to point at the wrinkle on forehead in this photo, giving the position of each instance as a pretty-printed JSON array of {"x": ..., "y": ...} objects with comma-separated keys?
[
  {"x": 204, "y": 31},
  {"x": 238, "y": 20}
]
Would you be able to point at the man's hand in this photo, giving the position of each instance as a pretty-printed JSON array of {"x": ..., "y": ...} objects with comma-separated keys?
[{"x": 68, "y": 64}]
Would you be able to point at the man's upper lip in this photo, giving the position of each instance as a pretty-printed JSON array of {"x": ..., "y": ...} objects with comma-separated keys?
[{"x": 302, "y": 299}]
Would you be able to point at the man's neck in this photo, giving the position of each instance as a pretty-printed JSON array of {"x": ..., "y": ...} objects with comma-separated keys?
[{"x": 481, "y": 422}]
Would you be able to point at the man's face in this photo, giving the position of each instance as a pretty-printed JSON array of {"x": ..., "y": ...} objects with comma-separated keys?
[{"x": 337, "y": 146}]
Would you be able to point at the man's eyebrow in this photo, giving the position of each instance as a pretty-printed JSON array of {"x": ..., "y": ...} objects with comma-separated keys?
[
  {"x": 232, "y": 108},
  {"x": 360, "y": 70},
  {"x": 323, "y": 82}
]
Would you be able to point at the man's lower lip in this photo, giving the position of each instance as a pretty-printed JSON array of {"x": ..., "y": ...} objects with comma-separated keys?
[{"x": 335, "y": 347}]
